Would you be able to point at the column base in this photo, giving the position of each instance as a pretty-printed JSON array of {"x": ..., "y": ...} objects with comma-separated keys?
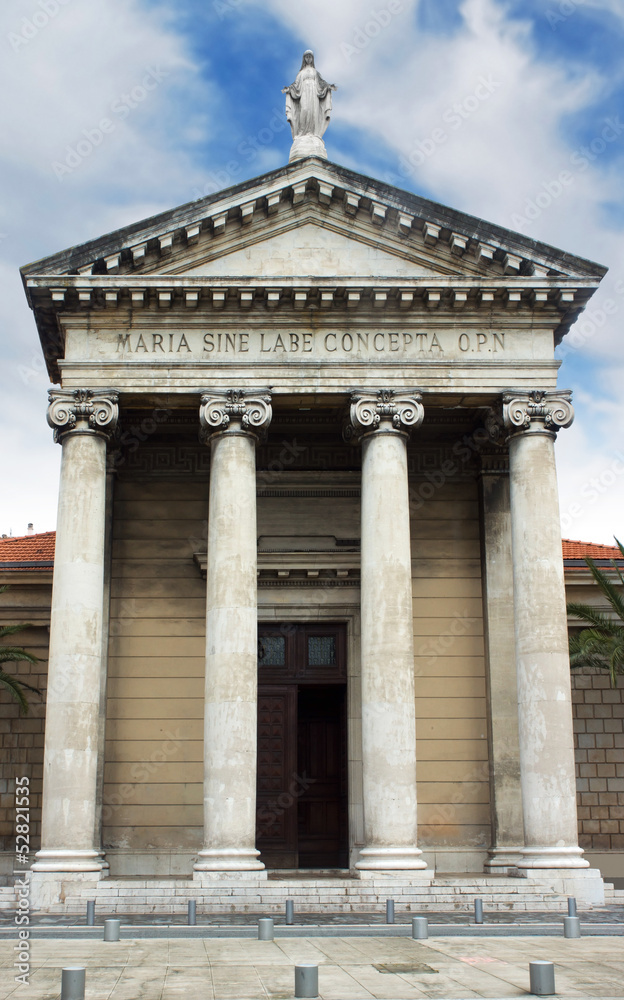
[
  {"x": 235, "y": 859},
  {"x": 585, "y": 884},
  {"x": 552, "y": 857},
  {"x": 384, "y": 859},
  {"x": 49, "y": 889},
  {"x": 502, "y": 858},
  {"x": 68, "y": 862}
]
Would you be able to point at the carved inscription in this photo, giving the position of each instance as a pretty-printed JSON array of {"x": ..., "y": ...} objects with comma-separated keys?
[{"x": 333, "y": 345}]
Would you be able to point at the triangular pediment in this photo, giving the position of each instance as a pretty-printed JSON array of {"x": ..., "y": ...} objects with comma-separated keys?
[{"x": 342, "y": 219}]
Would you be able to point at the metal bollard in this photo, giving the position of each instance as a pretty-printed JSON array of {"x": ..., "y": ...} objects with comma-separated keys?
[
  {"x": 73, "y": 983},
  {"x": 389, "y": 911},
  {"x": 478, "y": 914},
  {"x": 192, "y": 912},
  {"x": 290, "y": 911},
  {"x": 420, "y": 928},
  {"x": 306, "y": 980},
  {"x": 111, "y": 930},
  {"x": 572, "y": 906},
  {"x": 90, "y": 912},
  {"x": 542, "y": 979},
  {"x": 265, "y": 929},
  {"x": 572, "y": 927}
]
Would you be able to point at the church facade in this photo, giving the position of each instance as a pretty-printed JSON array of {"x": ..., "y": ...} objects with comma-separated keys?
[{"x": 308, "y": 608}]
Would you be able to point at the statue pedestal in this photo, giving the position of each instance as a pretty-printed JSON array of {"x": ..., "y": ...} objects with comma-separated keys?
[{"x": 307, "y": 145}]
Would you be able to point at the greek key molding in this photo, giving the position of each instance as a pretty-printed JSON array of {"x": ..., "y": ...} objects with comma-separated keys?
[
  {"x": 234, "y": 410},
  {"x": 92, "y": 411},
  {"x": 398, "y": 411},
  {"x": 537, "y": 411}
]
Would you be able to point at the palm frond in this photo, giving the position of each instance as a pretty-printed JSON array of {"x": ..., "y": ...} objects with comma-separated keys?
[
  {"x": 590, "y": 614},
  {"x": 15, "y": 689},
  {"x": 609, "y": 589},
  {"x": 13, "y": 654},
  {"x": 12, "y": 629}
]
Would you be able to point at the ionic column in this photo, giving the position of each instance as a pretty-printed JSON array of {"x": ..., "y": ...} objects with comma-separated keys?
[
  {"x": 500, "y": 660},
  {"x": 231, "y": 424},
  {"x": 383, "y": 422},
  {"x": 544, "y": 702},
  {"x": 82, "y": 420}
]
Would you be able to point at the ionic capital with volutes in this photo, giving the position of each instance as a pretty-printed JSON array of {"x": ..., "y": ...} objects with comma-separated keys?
[
  {"x": 385, "y": 411},
  {"x": 234, "y": 412},
  {"x": 83, "y": 411},
  {"x": 537, "y": 411}
]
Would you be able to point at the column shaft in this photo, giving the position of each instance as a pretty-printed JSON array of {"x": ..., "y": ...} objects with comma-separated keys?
[
  {"x": 387, "y": 643},
  {"x": 69, "y": 823},
  {"x": 230, "y": 712},
  {"x": 544, "y": 699},
  {"x": 500, "y": 655}
]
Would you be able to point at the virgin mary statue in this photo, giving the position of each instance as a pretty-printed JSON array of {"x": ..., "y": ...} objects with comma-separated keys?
[{"x": 308, "y": 108}]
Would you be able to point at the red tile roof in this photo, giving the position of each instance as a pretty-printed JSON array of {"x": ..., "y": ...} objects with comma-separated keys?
[
  {"x": 578, "y": 550},
  {"x": 28, "y": 552}
]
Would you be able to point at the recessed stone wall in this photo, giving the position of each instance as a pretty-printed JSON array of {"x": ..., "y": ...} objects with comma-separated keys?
[{"x": 599, "y": 749}]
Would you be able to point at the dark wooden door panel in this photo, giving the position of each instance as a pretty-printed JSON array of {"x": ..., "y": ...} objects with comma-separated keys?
[
  {"x": 276, "y": 814},
  {"x": 322, "y": 757}
]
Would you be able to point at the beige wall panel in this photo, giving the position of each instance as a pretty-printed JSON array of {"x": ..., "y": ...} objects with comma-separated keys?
[
  {"x": 445, "y": 510},
  {"x": 155, "y": 708},
  {"x": 435, "y": 568},
  {"x": 472, "y": 753},
  {"x": 439, "y": 608},
  {"x": 432, "y": 587},
  {"x": 159, "y": 548},
  {"x": 184, "y": 628},
  {"x": 132, "y": 688},
  {"x": 153, "y": 644},
  {"x": 142, "y": 751},
  {"x": 161, "y": 510},
  {"x": 160, "y": 771},
  {"x": 435, "y": 648},
  {"x": 286, "y": 515},
  {"x": 168, "y": 490},
  {"x": 445, "y": 528},
  {"x": 452, "y": 771},
  {"x": 445, "y": 548},
  {"x": 450, "y": 729},
  {"x": 158, "y": 586},
  {"x": 159, "y": 608},
  {"x": 447, "y": 665},
  {"x": 165, "y": 838},
  {"x": 155, "y": 793},
  {"x": 458, "y": 812},
  {"x": 439, "y": 792},
  {"x": 460, "y": 835},
  {"x": 155, "y": 667},
  {"x": 448, "y": 631},
  {"x": 450, "y": 708},
  {"x": 458, "y": 687},
  {"x": 131, "y": 814},
  {"x": 187, "y": 531},
  {"x": 158, "y": 730},
  {"x": 143, "y": 569}
]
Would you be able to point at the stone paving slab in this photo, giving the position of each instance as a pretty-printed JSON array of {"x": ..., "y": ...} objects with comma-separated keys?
[{"x": 349, "y": 968}]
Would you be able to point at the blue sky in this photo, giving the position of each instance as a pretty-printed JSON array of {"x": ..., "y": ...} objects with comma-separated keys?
[{"x": 553, "y": 74}]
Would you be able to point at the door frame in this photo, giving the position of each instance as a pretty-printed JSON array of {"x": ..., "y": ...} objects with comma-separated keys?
[{"x": 328, "y": 605}]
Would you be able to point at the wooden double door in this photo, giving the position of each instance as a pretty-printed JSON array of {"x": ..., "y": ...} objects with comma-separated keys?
[{"x": 302, "y": 746}]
